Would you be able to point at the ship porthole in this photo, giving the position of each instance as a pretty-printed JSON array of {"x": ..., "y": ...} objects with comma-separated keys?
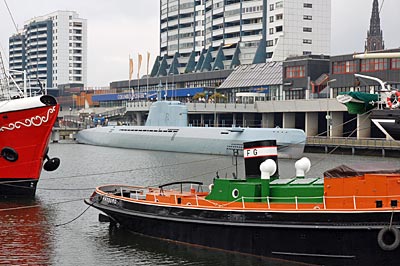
[
  {"x": 188, "y": 204},
  {"x": 9, "y": 154},
  {"x": 389, "y": 238},
  {"x": 235, "y": 193}
]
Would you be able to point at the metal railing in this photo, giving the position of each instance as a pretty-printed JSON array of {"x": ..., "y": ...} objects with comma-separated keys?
[
  {"x": 351, "y": 202},
  {"x": 353, "y": 142}
]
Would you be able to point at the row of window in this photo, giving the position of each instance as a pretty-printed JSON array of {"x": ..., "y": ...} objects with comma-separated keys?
[
  {"x": 251, "y": 9},
  {"x": 366, "y": 65},
  {"x": 276, "y": 17},
  {"x": 276, "y": 6},
  {"x": 203, "y": 83},
  {"x": 295, "y": 72},
  {"x": 280, "y": 5},
  {"x": 348, "y": 67}
]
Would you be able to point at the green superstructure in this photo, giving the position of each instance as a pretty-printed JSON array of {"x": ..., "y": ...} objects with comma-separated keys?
[{"x": 289, "y": 190}]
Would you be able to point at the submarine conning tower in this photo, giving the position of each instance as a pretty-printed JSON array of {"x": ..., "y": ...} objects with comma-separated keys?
[{"x": 257, "y": 152}]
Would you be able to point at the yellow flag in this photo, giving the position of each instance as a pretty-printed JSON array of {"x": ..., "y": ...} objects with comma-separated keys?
[
  {"x": 139, "y": 64},
  {"x": 130, "y": 67},
  {"x": 148, "y": 62}
]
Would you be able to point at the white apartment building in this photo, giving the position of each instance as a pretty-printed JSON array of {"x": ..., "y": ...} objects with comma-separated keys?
[
  {"x": 204, "y": 35},
  {"x": 52, "y": 48}
]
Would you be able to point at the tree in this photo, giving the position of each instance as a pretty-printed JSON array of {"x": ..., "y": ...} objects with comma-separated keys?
[{"x": 218, "y": 97}]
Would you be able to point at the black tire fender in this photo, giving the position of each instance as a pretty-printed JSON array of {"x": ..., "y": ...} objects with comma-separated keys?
[
  {"x": 9, "y": 154},
  {"x": 382, "y": 235}
]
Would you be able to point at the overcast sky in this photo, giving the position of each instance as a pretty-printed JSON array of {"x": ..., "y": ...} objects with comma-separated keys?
[{"x": 119, "y": 28}]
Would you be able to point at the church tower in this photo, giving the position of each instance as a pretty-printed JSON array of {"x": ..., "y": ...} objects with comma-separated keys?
[{"x": 374, "y": 36}]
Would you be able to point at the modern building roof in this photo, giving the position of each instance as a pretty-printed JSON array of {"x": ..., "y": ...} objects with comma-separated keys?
[{"x": 254, "y": 75}]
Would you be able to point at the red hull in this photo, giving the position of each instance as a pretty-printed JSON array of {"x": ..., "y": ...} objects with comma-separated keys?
[{"x": 27, "y": 132}]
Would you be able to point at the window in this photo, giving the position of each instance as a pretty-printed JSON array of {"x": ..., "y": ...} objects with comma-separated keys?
[
  {"x": 307, "y": 17},
  {"x": 271, "y": 30},
  {"x": 271, "y": 7},
  {"x": 370, "y": 65},
  {"x": 295, "y": 72},
  {"x": 343, "y": 67},
  {"x": 307, "y": 41},
  {"x": 279, "y": 16},
  {"x": 271, "y": 19},
  {"x": 395, "y": 63},
  {"x": 270, "y": 43},
  {"x": 306, "y": 52},
  {"x": 307, "y": 5},
  {"x": 279, "y": 29},
  {"x": 307, "y": 29},
  {"x": 279, "y": 4}
]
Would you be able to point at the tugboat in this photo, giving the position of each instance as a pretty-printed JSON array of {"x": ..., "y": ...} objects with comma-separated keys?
[
  {"x": 25, "y": 129},
  {"x": 348, "y": 217}
]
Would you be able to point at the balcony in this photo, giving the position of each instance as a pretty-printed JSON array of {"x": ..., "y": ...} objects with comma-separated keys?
[{"x": 249, "y": 27}]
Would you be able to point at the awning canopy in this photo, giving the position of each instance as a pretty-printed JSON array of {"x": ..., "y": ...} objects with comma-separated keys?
[
  {"x": 361, "y": 169},
  {"x": 255, "y": 75}
]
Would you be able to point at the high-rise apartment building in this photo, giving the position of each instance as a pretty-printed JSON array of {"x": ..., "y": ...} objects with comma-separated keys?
[
  {"x": 52, "y": 48},
  {"x": 204, "y": 35}
]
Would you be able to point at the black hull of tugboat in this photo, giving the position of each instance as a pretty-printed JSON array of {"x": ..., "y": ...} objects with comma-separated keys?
[
  {"x": 18, "y": 188},
  {"x": 316, "y": 238}
]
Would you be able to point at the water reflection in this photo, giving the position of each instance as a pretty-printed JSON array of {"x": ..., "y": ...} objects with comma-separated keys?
[
  {"x": 25, "y": 237},
  {"x": 143, "y": 250}
]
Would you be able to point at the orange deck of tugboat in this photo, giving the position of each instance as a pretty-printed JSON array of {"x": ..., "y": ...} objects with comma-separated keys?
[{"x": 197, "y": 200}]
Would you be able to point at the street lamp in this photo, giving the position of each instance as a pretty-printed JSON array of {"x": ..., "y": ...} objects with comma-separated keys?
[
  {"x": 158, "y": 98},
  {"x": 328, "y": 114}
]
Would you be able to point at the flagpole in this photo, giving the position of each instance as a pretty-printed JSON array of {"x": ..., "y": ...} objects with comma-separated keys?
[
  {"x": 147, "y": 75},
  {"x": 129, "y": 74},
  {"x": 138, "y": 73},
  {"x": 130, "y": 77}
]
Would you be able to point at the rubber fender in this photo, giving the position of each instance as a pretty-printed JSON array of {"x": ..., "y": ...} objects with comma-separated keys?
[
  {"x": 48, "y": 100},
  {"x": 52, "y": 164},
  {"x": 389, "y": 232},
  {"x": 9, "y": 154}
]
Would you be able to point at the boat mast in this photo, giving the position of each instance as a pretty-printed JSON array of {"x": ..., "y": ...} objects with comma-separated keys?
[{"x": 3, "y": 79}]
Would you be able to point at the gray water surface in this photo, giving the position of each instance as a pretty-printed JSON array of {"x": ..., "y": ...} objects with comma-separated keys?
[{"x": 40, "y": 232}]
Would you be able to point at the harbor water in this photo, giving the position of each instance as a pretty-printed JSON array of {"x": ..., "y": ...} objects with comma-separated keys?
[{"x": 57, "y": 228}]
